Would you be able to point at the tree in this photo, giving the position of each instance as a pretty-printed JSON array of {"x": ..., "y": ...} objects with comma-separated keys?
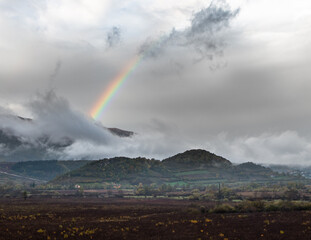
[{"x": 292, "y": 194}]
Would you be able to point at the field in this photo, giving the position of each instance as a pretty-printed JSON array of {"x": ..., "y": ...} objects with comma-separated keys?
[{"x": 90, "y": 218}]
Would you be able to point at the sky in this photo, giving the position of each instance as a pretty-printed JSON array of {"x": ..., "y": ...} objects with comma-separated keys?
[{"x": 231, "y": 77}]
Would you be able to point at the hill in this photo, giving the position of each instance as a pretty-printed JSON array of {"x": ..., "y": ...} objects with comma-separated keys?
[
  {"x": 120, "y": 133},
  {"x": 196, "y": 159},
  {"x": 118, "y": 169},
  {"x": 40, "y": 170},
  {"x": 191, "y": 167}
]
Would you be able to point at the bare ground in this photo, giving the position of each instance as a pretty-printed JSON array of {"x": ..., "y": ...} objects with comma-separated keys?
[{"x": 79, "y": 218}]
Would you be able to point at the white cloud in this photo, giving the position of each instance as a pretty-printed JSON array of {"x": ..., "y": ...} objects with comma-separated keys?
[
  {"x": 69, "y": 16},
  {"x": 279, "y": 148}
]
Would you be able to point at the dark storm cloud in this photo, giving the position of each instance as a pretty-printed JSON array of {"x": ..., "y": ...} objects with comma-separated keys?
[
  {"x": 211, "y": 20},
  {"x": 205, "y": 26},
  {"x": 113, "y": 36},
  {"x": 205, "y": 34}
]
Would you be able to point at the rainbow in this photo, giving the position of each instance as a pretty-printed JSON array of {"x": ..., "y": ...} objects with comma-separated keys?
[{"x": 113, "y": 87}]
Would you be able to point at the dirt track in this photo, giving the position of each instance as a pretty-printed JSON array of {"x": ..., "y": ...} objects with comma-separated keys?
[{"x": 142, "y": 219}]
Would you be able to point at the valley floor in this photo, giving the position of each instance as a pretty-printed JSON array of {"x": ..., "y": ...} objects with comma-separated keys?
[{"x": 90, "y": 218}]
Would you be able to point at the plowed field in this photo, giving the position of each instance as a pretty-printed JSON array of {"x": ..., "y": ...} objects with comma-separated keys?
[{"x": 142, "y": 219}]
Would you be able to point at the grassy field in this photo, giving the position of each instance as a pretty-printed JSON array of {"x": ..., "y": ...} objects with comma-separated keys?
[{"x": 87, "y": 218}]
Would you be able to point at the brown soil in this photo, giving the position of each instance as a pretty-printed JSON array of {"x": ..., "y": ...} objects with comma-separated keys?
[{"x": 142, "y": 219}]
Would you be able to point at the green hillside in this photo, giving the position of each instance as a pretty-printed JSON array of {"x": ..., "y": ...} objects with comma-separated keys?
[
  {"x": 191, "y": 167},
  {"x": 43, "y": 170},
  {"x": 199, "y": 159},
  {"x": 118, "y": 169}
]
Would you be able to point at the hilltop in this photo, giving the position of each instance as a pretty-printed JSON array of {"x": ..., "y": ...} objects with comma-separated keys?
[{"x": 196, "y": 158}]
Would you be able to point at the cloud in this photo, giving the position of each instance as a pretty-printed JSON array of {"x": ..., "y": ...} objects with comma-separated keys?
[
  {"x": 56, "y": 117},
  {"x": 113, "y": 36},
  {"x": 149, "y": 144},
  {"x": 56, "y": 131},
  {"x": 54, "y": 126},
  {"x": 205, "y": 34},
  {"x": 206, "y": 26},
  {"x": 5, "y": 111},
  {"x": 54, "y": 74},
  {"x": 269, "y": 148},
  {"x": 264, "y": 87}
]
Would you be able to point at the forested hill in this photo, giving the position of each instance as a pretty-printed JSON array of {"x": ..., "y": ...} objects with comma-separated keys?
[
  {"x": 193, "y": 167},
  {"x": 196, "y": 158},
  {"x": 42, "y": 170}
]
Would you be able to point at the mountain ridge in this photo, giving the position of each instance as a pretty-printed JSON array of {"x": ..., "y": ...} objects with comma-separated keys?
[{"x": 193, "y": 166}]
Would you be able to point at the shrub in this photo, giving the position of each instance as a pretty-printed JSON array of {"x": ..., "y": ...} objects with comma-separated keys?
[
  {"x": 271, "y": 207},
  {"x": 223, "y": 208},
  {"x": 280, "y": 206},
  {"x": 194, "y": 196},
  {"x": 251, "y": 206},
  {"x": 193, "y": 211},
  {"x": 203, "y": 209}
]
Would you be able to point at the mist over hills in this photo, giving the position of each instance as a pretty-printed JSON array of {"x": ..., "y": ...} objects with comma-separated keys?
[
  {"x": 56, "y": 130},
  {"x": 16, "y": 144},
  {"x": 194, "y": 167}
]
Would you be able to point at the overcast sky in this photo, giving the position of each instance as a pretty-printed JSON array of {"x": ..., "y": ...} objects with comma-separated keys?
[{"x": 230, "y": 77}]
